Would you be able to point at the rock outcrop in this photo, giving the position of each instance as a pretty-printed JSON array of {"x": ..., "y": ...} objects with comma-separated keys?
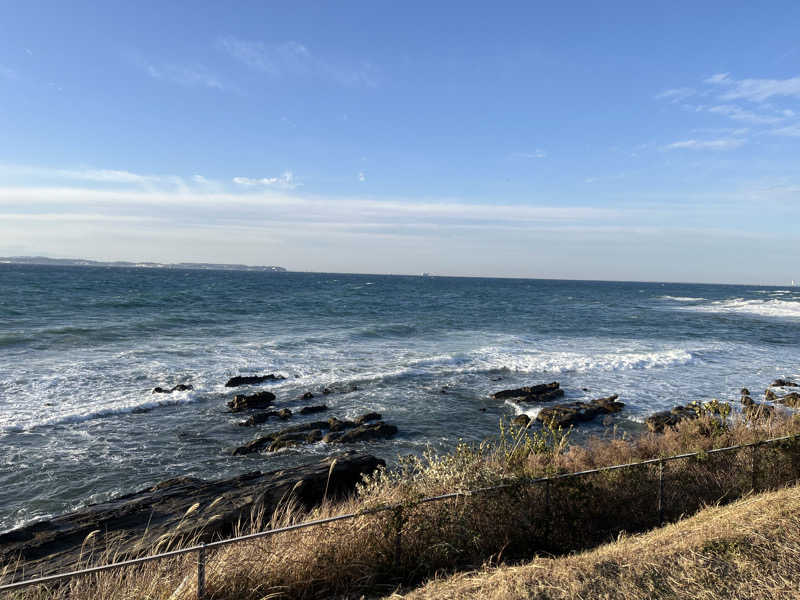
[
  {"x": 792, "y": 400},
  {"x": 571, "y": 413},
  {"x": 132, "y": 524},
  {"x": 783, "y": 383},
  {"x": 181, "y": 387},
  {"x": 310, "y": 410},
  {"x": 365, "y": 428},
  {"x": 242, "y": 402},
  {"x": 543, "y": 392},
  {"x": 669, "y": 418},
  {"x": 252, "y": 379}
]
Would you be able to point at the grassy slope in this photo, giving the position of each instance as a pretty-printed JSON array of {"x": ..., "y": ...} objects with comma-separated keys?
[{"x": 748, "y": 549}]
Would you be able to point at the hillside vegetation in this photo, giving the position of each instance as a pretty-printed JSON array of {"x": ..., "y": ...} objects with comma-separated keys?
[{"x": 375, "y": 555}]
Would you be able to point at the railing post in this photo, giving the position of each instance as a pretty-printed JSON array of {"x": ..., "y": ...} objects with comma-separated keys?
[
  {"x": 201, "y": 572},
  {"x": 660, "y": 492},
  {"x": 753, "y": 465}
]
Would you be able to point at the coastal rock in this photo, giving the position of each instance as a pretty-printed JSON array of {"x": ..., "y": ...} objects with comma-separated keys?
[
  {"x": 669, "y": 418},
  {"x": 543, "y": 392},
  {"x": 371, "y": 416},
  {"x": 308, "y": 396},
  {"x": 181, "y": 387},
  {"x": 135, "y": 523},
  {"x": 522, "y": 420},
  {"x": 366, "y": 427},
  {"x": 783, "y": 383},
  {"x": 770, "y": 396},
  {"x": 263, "y": 443},
  {"x": 310, "y": 410},
  {"x": 792, "y": 400},
  {"x": 242, "y": 402},
  {"x": 366, "y": 432},
  {"x": 563, "y": 415},
  {"x": 252, "y": 379}
]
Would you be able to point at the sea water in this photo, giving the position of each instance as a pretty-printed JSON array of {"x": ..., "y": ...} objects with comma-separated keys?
[{"x": 81, "y": 349}]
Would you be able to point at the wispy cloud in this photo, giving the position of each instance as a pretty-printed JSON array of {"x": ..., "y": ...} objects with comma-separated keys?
[
  {"x": 286, "y": 181},
  {"x": 724, "y": 144},
  {"x": 676, "y": 94},
  {"x": 790, "y": 131},
  {"x": 538, "y": 153},
  {"x": 755, "y": 90},
  {"x": 739, "y": 114},
  {"x": 293, "y": 59},
  {"x": 186, "y": 75}
]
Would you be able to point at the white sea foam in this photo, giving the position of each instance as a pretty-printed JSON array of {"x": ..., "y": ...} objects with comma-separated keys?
[
  {"x": 681, "y": 298},
  {"x": 764, "y": 308},
  {"x": 95, "y": 411}
]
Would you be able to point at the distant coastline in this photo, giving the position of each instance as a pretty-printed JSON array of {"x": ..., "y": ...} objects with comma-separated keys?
[{"x": 80, "y": 262}]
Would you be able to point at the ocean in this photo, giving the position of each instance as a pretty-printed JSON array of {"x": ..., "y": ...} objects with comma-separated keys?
[{"x": 81, "y": 349}]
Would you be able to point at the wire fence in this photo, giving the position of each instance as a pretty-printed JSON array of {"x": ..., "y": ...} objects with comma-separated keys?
[{"x": 666, "y": 504}]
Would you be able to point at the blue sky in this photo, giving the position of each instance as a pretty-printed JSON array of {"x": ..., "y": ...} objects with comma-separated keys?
[{"x": 602, "y": 140}]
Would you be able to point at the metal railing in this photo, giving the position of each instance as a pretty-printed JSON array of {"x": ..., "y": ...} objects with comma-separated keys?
[{"x": 201, "y": 549}]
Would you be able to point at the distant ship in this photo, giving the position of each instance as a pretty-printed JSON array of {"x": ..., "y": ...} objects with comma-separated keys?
[{"x": 427, "y": 275}]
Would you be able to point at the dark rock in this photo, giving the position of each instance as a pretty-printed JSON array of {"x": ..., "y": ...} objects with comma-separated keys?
[
  {"x": 258, "y": 418},
  {"x": 745, "y": 392},
  {"x": 284, "y": 414},
  {"x": 310, "y": 410},
  {"x": 543, "y": 392},
  {"x": 783, "y": 383},
  {"x": 327, "y": 391},
  {"x": 252, "y": 379},
  {"x": 792, "y": 400},
  {"x": 747, "y": 401},
  {"x": 371, "y": 416},
  {"x": 367, "y": 432},
  {"x": 571, "y": 413},
  {"x": 770, "y": 396},
  {"x": 263, "y": 443},
  {"x": 308, "y": 396},
  {"x": 522, "y": 420},
  {"x": 335, "y": 424},
  {"x": 140, "y": 410},
  {"x": 443, "y": 390},
  {"x": 757, "y": 410},
  {"x": 482, "y": 409},
  {"x": 181, "y": 387},
  {"x": 134, "y": 524},
  {"x": 669, "y": 418},
  {"x": 242, "y": 402}
]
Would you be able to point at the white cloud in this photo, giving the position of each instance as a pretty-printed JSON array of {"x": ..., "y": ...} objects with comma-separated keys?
[
  {"x": 293, "y": 59},
  {"x": 756, "y": 90},
  {"x": 187, "y": 75},
  {"x": 790, "y": 131},
  {"x": 286, "y": 180},
  {"x": 739, "y": 114},
  {"x": 718, "y": 78},
  {"x": 725, "y": 144},
  {"x": 676, "y": 94},
  {"x": 200, "y": 179},
  {"x": 361, "y": 177}
]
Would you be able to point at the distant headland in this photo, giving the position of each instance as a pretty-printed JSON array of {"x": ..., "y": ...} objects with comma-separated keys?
[{"x": 80, "y": 262}]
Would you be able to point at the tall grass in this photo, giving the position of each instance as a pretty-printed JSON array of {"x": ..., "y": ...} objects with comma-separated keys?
[{"x": 375, "y": 554}]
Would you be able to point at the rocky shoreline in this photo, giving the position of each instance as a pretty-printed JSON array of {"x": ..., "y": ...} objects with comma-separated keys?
[
  {"x": 179, "y": 508},
  {"x": 186, "y": 507}
]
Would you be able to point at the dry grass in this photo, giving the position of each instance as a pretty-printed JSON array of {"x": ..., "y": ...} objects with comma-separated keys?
[
  {"x": 747, "y": 549},
  {"x": 365, "y": 556}
]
